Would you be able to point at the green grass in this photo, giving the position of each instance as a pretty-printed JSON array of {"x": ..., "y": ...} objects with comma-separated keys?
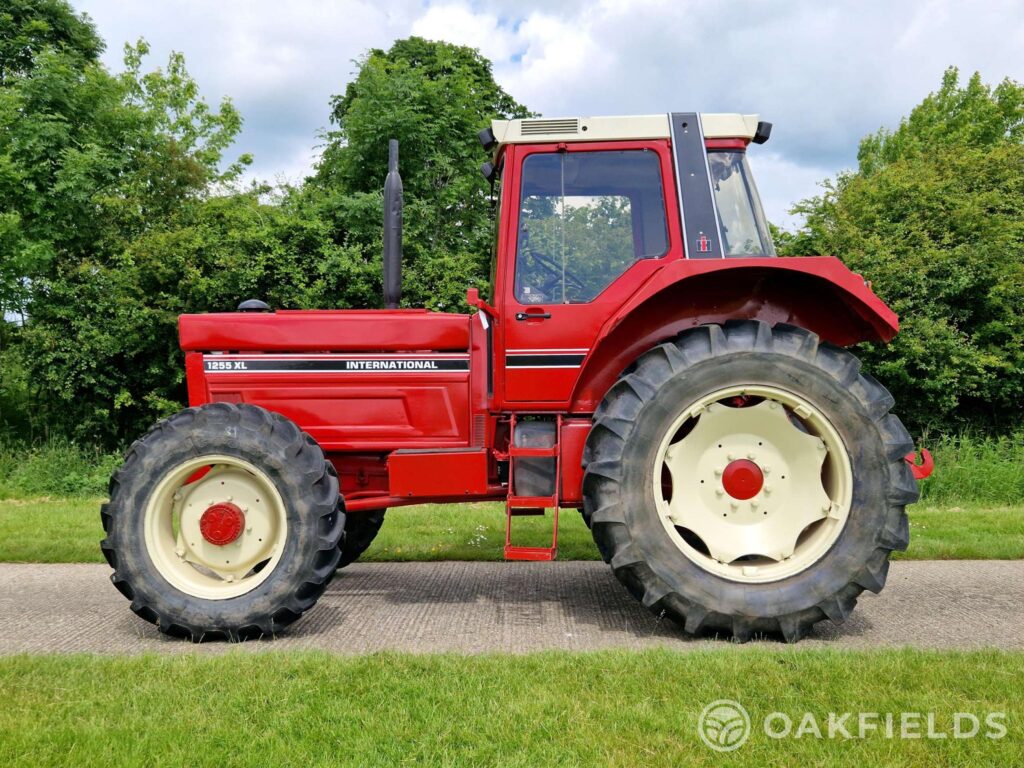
[
  {"x": 976, "y": 470},
  {"x": 969, "y": 469},
  {"x": 608, "y": 708},
  {"x": 68, "y": 531},
  {"x": 56, "y": 468}
]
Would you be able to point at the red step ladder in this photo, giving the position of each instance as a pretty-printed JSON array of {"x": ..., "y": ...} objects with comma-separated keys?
[{"x": 518, "y": 506}]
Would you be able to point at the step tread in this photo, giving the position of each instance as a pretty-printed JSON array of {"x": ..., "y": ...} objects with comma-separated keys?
[{"x": 530, "y": 553}]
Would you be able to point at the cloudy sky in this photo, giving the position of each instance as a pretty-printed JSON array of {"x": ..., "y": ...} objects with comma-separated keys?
[{"x": 825, "y": 73}]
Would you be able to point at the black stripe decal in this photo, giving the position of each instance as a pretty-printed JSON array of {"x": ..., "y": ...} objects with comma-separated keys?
[
  {"x": 544, "y": 361},
  {"x": 218, "y": 364}
]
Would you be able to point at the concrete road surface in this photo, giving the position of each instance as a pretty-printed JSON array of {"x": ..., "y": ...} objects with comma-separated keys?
[{"x": 513, "y": 607}]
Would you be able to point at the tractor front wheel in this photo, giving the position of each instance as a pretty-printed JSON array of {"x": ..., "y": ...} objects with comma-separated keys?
[
  {"x": 748, "y": 479},
  {"x": 223, "y": 522}
]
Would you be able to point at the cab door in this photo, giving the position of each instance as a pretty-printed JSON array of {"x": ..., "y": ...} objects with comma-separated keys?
[{"x": 585, "y": 225}]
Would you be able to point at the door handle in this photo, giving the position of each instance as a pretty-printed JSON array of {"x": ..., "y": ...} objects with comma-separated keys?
[{"x": 533, "y": 315}]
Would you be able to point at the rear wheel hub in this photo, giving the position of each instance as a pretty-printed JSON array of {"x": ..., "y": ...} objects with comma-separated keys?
[{"x": 742, "y": 479}]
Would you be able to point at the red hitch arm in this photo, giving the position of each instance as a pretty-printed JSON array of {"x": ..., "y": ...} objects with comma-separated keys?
[{"x": 925, "y": 468}]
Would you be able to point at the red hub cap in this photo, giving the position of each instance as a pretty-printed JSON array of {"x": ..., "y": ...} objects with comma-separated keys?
[
  {"x": 222, "y": 523},
  {"x": 742, "y": 479}
]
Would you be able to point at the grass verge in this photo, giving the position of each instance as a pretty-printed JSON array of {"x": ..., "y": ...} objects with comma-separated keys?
[
  {"x": 68, "y": 531},
  {"x": 608, "y": 708},
  {"x": 969, "y": 469}
]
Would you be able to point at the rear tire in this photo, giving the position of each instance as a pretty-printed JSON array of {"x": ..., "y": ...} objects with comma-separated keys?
[
  {"x": 182, "y": 582},
  {"x": 620, "y": 492}
]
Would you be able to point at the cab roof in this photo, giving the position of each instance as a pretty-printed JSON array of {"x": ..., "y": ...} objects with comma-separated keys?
[{"x": 531, "y": 130}]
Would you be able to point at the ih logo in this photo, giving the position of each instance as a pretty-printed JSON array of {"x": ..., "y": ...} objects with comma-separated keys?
[{"x": 703, "y": 244}]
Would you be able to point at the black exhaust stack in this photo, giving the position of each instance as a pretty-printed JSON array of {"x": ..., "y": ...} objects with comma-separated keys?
[{"x": 392, "y": 230}]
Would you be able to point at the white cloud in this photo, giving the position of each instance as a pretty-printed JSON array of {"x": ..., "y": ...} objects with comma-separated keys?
[
  {"x": 825, "y": 75},
  {"x": 782, "y": 182},
  {"x": 279, "y": 61},
  {"x": 458, "y": 23}
]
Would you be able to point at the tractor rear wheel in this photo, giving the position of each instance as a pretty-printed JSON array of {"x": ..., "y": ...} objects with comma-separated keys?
[
  {"x": 223, "y": 522},
  {"x": 361, "y": 528},
  {"x": 746, "y": 479}
]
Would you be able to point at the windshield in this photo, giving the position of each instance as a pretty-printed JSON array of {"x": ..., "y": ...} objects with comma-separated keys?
[{"x": 744, "y": 229}]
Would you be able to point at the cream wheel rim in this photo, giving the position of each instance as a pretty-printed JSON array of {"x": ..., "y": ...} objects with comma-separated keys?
[
  {"x": 753, "y": 483},
  {"x": 175, "y": 539}
]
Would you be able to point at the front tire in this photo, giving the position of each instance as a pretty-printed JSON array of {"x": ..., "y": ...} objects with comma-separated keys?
[
  {"x": 740, "y": 559},
  {"x": 223, "y": 523}
]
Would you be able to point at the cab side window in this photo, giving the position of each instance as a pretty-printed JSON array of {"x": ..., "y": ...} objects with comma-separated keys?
[{"x": 584, "y": 219}]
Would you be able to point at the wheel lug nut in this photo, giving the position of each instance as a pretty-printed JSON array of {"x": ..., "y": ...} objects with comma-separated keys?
[
  {"x": 719, "y": 471},
  {"x": 730, "y": 456},
  {"x": 719, "y": 492}
]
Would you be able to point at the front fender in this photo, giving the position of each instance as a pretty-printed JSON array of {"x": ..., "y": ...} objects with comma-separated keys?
[{"x": 818, "y": 293}]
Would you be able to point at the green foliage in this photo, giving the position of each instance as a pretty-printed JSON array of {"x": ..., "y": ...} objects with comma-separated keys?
[
  {"x": 434, "y": 98},
  {"x": 95, "y": 171},
  {"x": 117, "y": 215},
  {"x": 16, "y": 412},
  {"x": 934, "y": 217},
  {"x": 55, "y": 468},
  {"x": 974, "y": 469},
  {"x": 118, "y": 212},
  {"x": 29, "y": 27}
]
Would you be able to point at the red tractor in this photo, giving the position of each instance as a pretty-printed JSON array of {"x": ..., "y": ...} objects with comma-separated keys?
[{"x": 642, "y": 357}]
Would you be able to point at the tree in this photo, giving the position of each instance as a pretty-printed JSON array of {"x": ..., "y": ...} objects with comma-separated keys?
[
  {"x": 434, "y": 97},
  {"x": 934, "y": 217},
  {"x": 92, "y": 167},
  {"x": 117, "y": 214},
  {"x": 30, "y": 27}
]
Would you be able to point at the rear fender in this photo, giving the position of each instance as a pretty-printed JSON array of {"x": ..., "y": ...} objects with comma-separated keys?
[{"x": 817, "y": 293}]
